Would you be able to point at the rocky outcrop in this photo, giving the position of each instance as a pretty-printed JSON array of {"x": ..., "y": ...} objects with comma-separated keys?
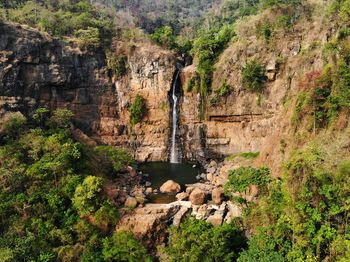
[
  {"x": 37, "y": 70},
  {"x": 149, "y": 223}
]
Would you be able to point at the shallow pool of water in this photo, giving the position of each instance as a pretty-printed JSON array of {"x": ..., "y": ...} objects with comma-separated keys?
[{"x": 160, "y": 172}]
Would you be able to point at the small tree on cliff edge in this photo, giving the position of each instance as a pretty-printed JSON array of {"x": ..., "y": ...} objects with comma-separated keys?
[{"x": 137, "y": 110}]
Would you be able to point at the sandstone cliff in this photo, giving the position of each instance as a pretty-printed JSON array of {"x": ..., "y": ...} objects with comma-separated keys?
[
  {"x": 37, "y": 70},
  {"x": 246, "y": 121}
]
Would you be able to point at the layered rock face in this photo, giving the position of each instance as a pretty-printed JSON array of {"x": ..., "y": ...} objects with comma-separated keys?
[
  {"x": 247, "y": 121},
  {"x": 150, "y": 74},
  {"x": 37, "y": 70}
]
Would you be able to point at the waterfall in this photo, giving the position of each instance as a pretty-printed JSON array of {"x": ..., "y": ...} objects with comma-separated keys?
[{"x": 174, "y": 154}]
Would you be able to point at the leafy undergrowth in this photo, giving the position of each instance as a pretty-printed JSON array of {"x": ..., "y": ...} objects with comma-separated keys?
[{"x": 53, "y": 204}]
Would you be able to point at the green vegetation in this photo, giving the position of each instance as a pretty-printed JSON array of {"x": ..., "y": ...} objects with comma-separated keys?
[
  {"x": 91, "y": 26},
  {"x": 53, "y": 204},
  {"x": 240, "y": 179},
  {"x": 164, "y": 36},
  {"x": 137, "y": 110},
  {"x": 118, "y": 64},
  {"x": 122, "y": 246},
  {"x": 114, "y": 159},
  {"x": 303, "y": 216},
  {"x": 193, "y": 84},
  {"x": 223, "y": 91},
  {"x": 196, "y": 240},
  {"x": 253, "y": 76},
  {"x": 249, "y": 155}
]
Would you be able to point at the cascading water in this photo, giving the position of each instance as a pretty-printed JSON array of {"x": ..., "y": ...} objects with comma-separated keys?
[{"x": 174, "y": 154}]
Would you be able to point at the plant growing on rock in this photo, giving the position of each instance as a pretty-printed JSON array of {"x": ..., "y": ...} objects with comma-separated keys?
[
  {"x": 240, "y": 179},
  {"x": 137, "y": 110},
  {"x": 253, "y": 76},
  {"x": 88, "y": 38},
  {"x": 118, "y": 64}
]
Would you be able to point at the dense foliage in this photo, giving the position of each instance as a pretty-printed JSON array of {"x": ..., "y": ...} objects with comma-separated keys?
[
  {"x": 198, "y": 240},
  {"x": 93, "y": 27},
  {"x": 53, "y": 205},
  {"x": 303, "y": 216}
]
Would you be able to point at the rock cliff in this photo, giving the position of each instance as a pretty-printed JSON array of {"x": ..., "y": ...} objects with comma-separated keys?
[{"x": 37, "y": 70}]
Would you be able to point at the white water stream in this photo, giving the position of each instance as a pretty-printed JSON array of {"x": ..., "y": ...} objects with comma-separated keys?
[{"x": 174, "y": 156}]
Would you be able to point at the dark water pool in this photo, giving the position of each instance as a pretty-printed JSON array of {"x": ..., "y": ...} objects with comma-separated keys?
[{"x": 160, "y": 172}]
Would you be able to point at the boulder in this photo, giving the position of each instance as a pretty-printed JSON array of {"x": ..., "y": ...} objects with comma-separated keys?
[
  {"x": 211, "y": 170},
  {"x": 213, "y": 164},
  {"x": 130, "y": 202},
  {"x": 189, "y": 190},
  {"x": 149, "y": 223},
  {"x": 180, "y": 215},
  {"x": 210, "y": 177},
  {"x": 217, "y": 195},
  {"x": 216, "y": 219},
  {"x": 202, "y": 212},
  {"x": 182, "y": 196},
  {"x": 170, "y": 186},
  {"x": 197, "y": 196},
  {"x": 234, "y": 210},
  {"x": 148, "y": 184},
  {"x": 131, "y": 171}
]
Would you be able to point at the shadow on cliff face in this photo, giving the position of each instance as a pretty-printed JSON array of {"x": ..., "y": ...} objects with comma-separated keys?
[{"x": 37, "y": 70}]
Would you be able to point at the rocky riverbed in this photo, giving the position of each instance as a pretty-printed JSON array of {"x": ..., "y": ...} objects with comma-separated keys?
[{"x": 203, "y": 200}]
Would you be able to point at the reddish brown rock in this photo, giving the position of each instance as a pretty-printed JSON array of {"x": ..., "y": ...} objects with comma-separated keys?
[
  {"x": 170, "y": 186},
  {"x": 197, "y": 196}
]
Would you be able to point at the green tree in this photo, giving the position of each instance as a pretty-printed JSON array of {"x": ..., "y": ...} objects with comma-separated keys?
[
  {"x": 164, "y": 36},
  {"x": 197, "y": 240},
  {"x": 122, "y": 246},
  {"x": 86, "y": 199},
  {"x": 118, "y": 158}
]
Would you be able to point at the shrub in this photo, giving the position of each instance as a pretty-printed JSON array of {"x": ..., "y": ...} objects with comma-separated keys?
[
  {"x": 197, "y": 240},
  {"x": 137, "y": 110},
  {"x": 264, "y": 29},
  {"x": 118, "y": 64},
  {"x": 12, "y": 124},
  {"x": 239, "y": 179},
  {"x": 61, "y": 118},
  {"x": 301, "y": 103},
  {"x": 88, "y": 38},
  {"x": 224, "y": 90},
  {"x": 253, "y": 76},
  {"x": 118, "y": 158},
  {"x": 164, "y": 36},
  {"x": 249, "y": 155},
  {"x": 122, "y": 246},
  {"x": 85, "y": 199}
]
